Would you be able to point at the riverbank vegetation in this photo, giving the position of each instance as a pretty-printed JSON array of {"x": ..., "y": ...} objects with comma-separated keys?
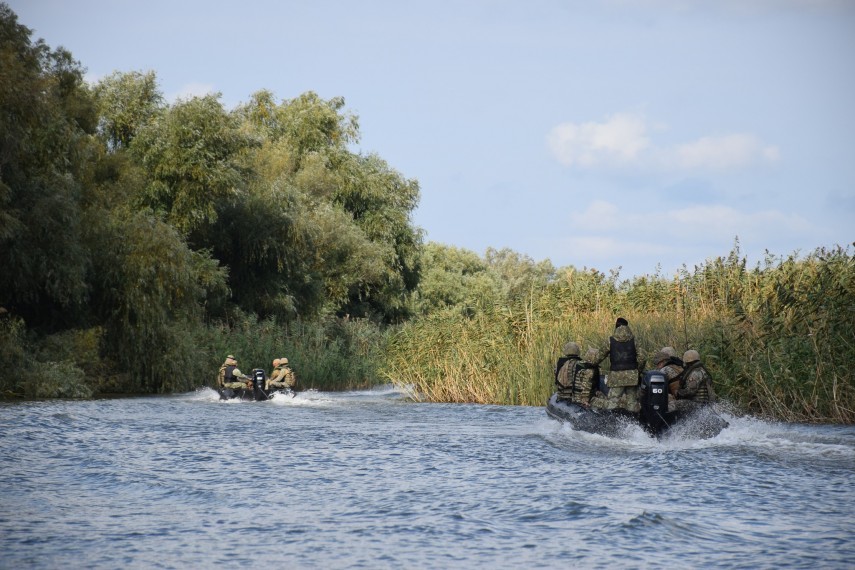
[
  {"x": 142, "y": 241},
  {"x": 777, "y": 338}
]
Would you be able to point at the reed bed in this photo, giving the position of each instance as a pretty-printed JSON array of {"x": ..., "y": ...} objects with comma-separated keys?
[
  {"x": 777, "y": 338},
  {"x": 330, "y": 354}
]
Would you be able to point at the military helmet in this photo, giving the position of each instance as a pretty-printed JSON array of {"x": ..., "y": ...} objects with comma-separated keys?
[
  {"x": 275, "y": 362},
  {"x": 283, "y": 360},
  {"x": 592, "y": 355},
  {"x": 660, "y": 356},
  {"x": 669, "y": 350},
  {"x": 691, "y": 356},
  {"x": 231, "y": 359},
  {"x": 571, "y": 349}
]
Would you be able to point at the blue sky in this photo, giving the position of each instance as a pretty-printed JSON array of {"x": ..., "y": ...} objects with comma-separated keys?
[{"x": 596, "y": 134}]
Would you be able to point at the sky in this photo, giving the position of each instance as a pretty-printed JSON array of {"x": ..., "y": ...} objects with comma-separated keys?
[{"x": 638, "y": 136}]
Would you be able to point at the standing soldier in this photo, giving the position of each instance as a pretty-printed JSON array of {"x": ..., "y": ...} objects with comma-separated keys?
[{"x": 624, "y": 366}]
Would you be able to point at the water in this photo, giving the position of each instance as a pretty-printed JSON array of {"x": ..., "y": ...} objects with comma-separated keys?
[{"x": 371, "y": 480}]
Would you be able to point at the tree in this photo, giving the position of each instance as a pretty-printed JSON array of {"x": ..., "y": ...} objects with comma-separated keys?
[
  {"x": 44, "y": 137},
  {"x": 126, "y": 103},
  {"x": 193, "y": 153}
]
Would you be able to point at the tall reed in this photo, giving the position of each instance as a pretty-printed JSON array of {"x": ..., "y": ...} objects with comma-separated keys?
[
  {"x": 778, "y": 338},
  {"x": 329, "y": 354}
]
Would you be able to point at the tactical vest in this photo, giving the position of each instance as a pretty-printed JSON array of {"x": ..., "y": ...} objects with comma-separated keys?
[
  {"x": 229, "y": 375},
  {"x": 622, "y": 354},
  {"x": 582, "y": 390},
  {"x": 704, "y": 393},
  {"x": 565, "y": 373}
]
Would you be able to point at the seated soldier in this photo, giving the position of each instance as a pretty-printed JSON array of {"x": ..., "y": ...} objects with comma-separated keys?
[
  {"x": 231, "y": 377},
  {"x": 564, "y": 371},
  {"x": 696, "y": 388},
  {"x": 282, "y": 375}
]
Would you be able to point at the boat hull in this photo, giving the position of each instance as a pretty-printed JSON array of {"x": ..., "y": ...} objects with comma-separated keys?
[
  {"x": 703, "y": 423},
  {"x": 252, "y": 395}
]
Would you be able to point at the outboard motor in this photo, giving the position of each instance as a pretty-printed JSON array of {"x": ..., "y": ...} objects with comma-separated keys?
[
  {"x": 654, "y": 403},
  {"x": 259, "y": 378}
]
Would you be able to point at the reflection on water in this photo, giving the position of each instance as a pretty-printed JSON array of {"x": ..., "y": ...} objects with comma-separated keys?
[{"x": 370, "y": 479}]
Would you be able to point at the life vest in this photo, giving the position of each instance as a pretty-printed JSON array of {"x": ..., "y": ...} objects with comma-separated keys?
[{"x": 622, "y": 354}]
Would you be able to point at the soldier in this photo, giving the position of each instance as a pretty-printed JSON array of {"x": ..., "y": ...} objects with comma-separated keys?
[
  {"x": 587, "y": 377},
  {"x": 564, "y": 370},
  {"x": 624, "y": 367},
  {"x": 274, "y": 374},
  {"x": 696, "y": 387},
  {"x": 282, "y": 375},
  {"x": 230, "y": 376},
  {"x": 665, "y": 360}
]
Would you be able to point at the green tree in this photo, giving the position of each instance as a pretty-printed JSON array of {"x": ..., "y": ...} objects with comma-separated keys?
[
  {"x": 47, "y": 120},
  {"x": 192, "y": 152},
  {"x": 126, "y": 103}
]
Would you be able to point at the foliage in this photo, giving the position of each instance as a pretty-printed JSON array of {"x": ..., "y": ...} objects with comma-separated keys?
[
  {"x": 126, "y": 103},
  {"x": 778, "y": 339},
  {"x": 43, "y": 139},
  {"x": 327, "y": 354},
  {"x": 192, "y": 152}
]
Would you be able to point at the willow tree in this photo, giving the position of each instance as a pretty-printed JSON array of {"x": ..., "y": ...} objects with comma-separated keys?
[
  {"x": 126, "y": 101},
  {"x": 192, "y": 153},
  {"x": 47, "y": 117},
  {"x": 349, "y": 215}
]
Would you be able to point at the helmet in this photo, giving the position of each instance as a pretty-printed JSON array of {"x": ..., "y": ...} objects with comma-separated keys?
[
  {"x": 669, "y": 350},
  {"x": 275, "y": 362},
  {"x": 660, "y": 356},
  {"x": 571, "y": 349},
  {"x": 283, "y": 360},
  {"x": 231, "y": 359},
  {"x": 592, "y": 355},
  {"x": 691, "y": 356},
  {"x": 621, "y": 322}
]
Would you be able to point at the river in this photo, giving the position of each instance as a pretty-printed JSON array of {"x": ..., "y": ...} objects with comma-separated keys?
[{"x": 370, "y": 479}]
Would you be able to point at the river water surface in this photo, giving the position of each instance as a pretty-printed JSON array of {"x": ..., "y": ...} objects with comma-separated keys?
[{"x": 373, "y": 480}]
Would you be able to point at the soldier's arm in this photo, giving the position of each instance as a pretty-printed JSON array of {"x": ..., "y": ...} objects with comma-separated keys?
[{"x": 691, "y": 388}]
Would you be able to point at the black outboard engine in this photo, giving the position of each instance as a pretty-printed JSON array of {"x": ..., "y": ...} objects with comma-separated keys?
[
  {"x": 654, "y": 401},
  {"x": 259, "y": 379}
]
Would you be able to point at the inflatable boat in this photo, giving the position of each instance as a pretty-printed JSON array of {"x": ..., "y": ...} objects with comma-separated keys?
[
  {"x": 654, "y": 416},
  {"x": 257, "y": 393}
]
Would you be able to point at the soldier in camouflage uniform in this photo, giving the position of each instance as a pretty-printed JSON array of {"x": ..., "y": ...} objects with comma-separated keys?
[
  {"x": 564, "y": 370},
  {"x": 666, "y": 361},
  {"x": 625, "y": 362},
  {"x": 230, "y": 377},
  {"x": 696, "y": 387},
  {"x": 282, "y": 375}
]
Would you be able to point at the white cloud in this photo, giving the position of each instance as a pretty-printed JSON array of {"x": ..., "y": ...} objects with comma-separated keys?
[
  {"x": 191, "y": 90},
  {"x": 622, "y": 141},
  {"x": 722, "y": 153},
  {"x": 608, "y": 235}
]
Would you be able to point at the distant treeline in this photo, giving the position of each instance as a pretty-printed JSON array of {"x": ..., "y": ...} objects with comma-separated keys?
[{"x": 143, "y": 241}]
